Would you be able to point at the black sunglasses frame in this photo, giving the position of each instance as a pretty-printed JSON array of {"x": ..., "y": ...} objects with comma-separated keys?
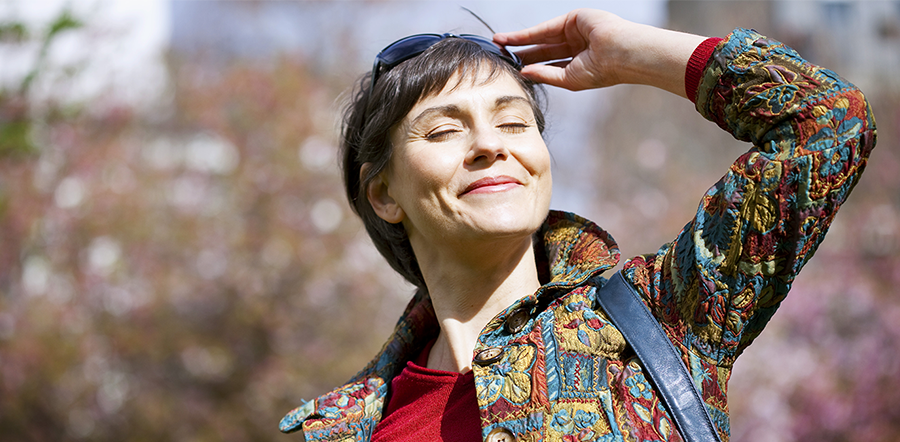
[{"x": 413, "y": 45}]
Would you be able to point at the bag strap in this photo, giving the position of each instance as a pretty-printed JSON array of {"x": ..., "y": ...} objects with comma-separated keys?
[{"x": 659, "y": 357}]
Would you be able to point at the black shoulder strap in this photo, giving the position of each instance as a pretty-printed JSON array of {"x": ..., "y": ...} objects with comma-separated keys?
[{"x": 660, "y": 360}]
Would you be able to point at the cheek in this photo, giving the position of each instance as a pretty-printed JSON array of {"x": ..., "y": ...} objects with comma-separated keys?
[
  {"x": 422, "y": 175},
  {"x": 538, "y": 158},
  {"x": 545, "y": 159},
  {"x": 539, "y": 165}
]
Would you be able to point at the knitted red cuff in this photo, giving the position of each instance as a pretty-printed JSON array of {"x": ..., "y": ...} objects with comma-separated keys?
[{"x": 696, "y": 64}]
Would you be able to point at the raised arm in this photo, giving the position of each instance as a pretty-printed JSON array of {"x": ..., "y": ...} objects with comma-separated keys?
[
  {"x": 593, "y": 49},
  {"x": 715, "y": 287}
]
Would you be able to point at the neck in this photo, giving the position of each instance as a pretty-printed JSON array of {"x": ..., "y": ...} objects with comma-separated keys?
[{"x": 468, "y": 290}]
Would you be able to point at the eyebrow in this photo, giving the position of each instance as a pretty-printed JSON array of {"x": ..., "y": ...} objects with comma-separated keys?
[
  {"x": 449, "y": 109},
  {"x": 452, "y": 109},
  {"x": 507, "y": 99}
]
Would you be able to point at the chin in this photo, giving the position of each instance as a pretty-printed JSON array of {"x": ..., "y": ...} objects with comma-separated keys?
[{"x": 514, "y": 223}]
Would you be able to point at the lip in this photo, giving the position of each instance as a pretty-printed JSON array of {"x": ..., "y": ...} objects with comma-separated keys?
[{"x": 491, "y": 184}]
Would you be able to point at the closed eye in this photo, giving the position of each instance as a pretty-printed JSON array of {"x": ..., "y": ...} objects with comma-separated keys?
[
  {"x": 440, "y": 135},
  {"x": 514, "y": 128}
]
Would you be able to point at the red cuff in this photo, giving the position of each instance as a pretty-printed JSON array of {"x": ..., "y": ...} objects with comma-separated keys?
[{"x": 697, "y": 64}]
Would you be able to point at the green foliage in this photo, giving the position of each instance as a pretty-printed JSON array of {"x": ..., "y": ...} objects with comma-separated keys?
[
  {"x": 13, "y": 32},
  {"x": 62, "y": 23},
  {"x": 15, "y": 127},
  {"x": 16, "y": 119}
]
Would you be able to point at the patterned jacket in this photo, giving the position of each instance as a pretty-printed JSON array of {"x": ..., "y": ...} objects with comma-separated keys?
[{"x": 552, "y": 367}]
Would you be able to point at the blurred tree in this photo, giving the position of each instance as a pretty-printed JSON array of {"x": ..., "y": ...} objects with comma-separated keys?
[
  {"x": 186, "y": 276},
  {"x": 190, "y": 272}
]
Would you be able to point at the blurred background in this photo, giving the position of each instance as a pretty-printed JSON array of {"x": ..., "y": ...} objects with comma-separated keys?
[{"x": 178, "y": 262}]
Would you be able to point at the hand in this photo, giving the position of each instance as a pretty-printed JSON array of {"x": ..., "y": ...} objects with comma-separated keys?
[{"x": 599, "y": 49}]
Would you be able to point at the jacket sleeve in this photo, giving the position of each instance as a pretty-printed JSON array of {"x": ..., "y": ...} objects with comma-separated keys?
[{"x": 716, "y": 286}]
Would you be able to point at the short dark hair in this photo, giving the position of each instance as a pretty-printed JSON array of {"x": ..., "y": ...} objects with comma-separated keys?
[{"x": 365, "y": 135}]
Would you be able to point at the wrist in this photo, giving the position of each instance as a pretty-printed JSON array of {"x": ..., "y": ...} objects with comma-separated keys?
[{"x": 660, "y": 58}]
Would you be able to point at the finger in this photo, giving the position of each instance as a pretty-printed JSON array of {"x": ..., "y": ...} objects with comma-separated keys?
[
  {"x": 542, "y": 53},
  {"x": 553, "y": 74},
  {"x": 548, "y": 32}
]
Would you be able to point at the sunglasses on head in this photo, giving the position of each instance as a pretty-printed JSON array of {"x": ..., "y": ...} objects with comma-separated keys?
[{"x": 409, "y": 47}]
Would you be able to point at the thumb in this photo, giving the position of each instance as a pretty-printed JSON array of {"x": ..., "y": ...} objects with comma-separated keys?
[{"x": 554, "y": 74}]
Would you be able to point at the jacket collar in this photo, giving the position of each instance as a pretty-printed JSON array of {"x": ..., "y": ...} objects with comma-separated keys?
[
  {"x": 571, "y": 250},
  {"x": 574, "y": 249}
]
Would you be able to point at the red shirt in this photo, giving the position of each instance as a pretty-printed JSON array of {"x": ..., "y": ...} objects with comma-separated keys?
[{"x": 430, "y": 405}]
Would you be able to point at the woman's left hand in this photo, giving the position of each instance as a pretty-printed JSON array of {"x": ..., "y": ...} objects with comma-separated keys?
[{"x": 599, "y": 49}]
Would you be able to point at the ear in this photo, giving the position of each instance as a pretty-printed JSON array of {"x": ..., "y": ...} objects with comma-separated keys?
[{"x": 382, "y": 202}]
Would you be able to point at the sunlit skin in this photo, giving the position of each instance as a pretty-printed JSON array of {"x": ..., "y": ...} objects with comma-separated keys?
[{"x": 470, "y": 180}]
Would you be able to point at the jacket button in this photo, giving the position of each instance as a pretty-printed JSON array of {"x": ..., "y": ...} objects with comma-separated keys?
[
  {"x": 500, "y": 435},
  {"x": 488, "y": 356},
  {"x": 517, "y": 321}
]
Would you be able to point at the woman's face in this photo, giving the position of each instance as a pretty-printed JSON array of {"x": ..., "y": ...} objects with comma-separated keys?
[{"x": 468, "y": 163}]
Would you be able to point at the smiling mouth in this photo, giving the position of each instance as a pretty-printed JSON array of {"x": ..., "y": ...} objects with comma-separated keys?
[{"x": 491, "y": 185}]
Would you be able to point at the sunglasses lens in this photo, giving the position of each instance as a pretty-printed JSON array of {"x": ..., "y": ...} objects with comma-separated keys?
[{"x": 406, "y": 48}]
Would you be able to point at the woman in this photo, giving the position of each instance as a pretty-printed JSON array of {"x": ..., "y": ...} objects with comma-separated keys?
[{"x": 504, "y": 340}]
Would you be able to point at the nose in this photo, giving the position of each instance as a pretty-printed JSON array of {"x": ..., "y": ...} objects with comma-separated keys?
[{"x": 487, "y": 146}]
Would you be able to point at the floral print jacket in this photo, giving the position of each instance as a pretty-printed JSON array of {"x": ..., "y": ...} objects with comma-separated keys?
[{"x": 552, "y": 367}]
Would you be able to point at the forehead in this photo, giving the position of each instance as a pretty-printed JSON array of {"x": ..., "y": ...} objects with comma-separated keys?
[{"x": 475, "y": 87}]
